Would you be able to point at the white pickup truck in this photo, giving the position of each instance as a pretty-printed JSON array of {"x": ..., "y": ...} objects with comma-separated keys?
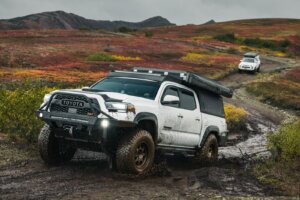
[{"x": 131, "y": 115}]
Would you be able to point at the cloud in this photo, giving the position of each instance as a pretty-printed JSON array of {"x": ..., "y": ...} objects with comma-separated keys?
[{"x": 178, "y": 11}]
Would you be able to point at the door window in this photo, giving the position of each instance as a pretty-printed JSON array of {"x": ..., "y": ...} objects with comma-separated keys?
[
  {"x": 173, "y": 92},
  {"x": 187, "y": 100}
]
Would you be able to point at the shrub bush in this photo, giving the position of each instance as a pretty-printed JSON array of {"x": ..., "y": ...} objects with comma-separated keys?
[
  {"x": 17, "y": 110},
  {"x": 235, "y": 117},
  {"x": 283, "y": 171},
  {"x": 125, "y": 58},
  {"x": 100, "y": 56},
  {"x": 124, "y": 29},
  {"x": 254, "y": 42},
  {"x": 148, "y": 34},
  {"x": 227, "y": 37},
  {"x": 286, "y": 142}
]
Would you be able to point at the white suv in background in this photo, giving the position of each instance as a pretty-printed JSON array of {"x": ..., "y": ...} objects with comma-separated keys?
[{"x": 250, "y": 62}]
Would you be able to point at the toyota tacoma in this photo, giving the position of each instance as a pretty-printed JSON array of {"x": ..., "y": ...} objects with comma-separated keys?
[{"x": 133, "y": 115}]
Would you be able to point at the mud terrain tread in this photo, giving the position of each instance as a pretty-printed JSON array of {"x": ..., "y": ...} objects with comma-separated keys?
[
  {"x": 49, "y": 148},
  {"x": 202, "y": 154},
  {"x": 46, "y": 144},
  {"x": 124, "y": 152}
]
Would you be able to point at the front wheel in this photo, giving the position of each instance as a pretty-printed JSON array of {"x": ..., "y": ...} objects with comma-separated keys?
[
  {"x": 135, "y": 153},
  {"x": 258, "y": 69},
  {"x": 209, "y": 151},
  {"x": 51, "y": 150}
]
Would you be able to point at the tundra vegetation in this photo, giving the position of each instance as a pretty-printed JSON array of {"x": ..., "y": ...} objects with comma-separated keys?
[
  {"x": 283, "y": 170},
  {"x": 282, "y": 91},
  {"x": 69, "y": 58},
  {"x": 17, "y": 110}
]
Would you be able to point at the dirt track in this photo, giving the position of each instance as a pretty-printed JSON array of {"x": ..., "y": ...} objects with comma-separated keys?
[{"x": 24, "y": 176}]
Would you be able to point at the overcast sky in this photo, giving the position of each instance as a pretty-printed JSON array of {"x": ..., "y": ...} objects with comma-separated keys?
[{"x": 177, "y": 11}]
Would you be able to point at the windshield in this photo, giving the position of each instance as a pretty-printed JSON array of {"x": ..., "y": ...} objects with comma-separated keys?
[
  {"x": 249, "y": 60},
  {"x": 134, "y": 87}
]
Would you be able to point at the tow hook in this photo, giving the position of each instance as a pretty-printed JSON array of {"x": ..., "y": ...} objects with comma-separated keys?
[{"x": 68, "y": 129}]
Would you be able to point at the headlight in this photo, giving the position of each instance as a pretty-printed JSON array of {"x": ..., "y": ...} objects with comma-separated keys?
[
  {"x": 120, "y": 107},
  {"x": 47, "y": 98}
]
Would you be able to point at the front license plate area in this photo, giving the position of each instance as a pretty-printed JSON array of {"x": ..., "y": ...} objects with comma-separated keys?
[{"x": 72, "y": 110}]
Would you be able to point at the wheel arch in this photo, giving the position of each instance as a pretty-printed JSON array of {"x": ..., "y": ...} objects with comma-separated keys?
[
  {"x": 210, "y": 130},
  {"x": 148, "y": 121}
]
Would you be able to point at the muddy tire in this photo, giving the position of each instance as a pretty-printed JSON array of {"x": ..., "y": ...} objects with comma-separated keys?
[
  {"x": 209, "y": 152},
  {"x": 50, "y": 149},
  {"x": 135, "y": 153},
  {"x": 258, "y": 69}
]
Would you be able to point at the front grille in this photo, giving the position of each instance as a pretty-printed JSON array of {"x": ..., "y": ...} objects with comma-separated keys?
[
  {"x": 71, "y": 97},
  {"x": 56, "y": 105}
]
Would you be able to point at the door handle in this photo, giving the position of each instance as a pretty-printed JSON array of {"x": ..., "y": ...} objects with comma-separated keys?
[
  {"x": 180, "y": 116},
  {"x": 197, "y": 119}
]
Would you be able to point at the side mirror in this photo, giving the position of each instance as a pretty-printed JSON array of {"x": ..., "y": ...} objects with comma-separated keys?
[{"x": 170, "y": 99}]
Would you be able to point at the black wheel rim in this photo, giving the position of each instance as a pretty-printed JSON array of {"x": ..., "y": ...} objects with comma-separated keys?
[{"x": 141, "y": 155}]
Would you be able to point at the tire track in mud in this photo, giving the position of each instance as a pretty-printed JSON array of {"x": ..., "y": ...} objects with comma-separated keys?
[{"x": 87, "y": 176}]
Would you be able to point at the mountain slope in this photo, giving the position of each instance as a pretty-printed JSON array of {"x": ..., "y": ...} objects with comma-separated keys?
[{"x": 63, "y": 20}]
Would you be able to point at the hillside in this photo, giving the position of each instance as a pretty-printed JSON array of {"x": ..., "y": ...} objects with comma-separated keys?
[
  {"x": 34, "y": 62},
  {"x": 63, "y": 20}
]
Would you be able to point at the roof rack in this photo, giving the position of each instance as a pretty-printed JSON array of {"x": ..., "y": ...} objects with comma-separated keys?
[
  {"x": 191, "y": 79},
  {"x": 250, "y": 54}
]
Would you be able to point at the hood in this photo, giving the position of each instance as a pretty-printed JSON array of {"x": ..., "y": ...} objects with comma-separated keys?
[
  {"x": 124, "y": 97},
  {"x": 247, "y": 63},
  {"x": 111, "y": 96}
]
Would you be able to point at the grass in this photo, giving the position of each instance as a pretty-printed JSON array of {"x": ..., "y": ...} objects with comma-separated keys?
[
  {"x": 100, "y": 56},
  {"x": 282, "y": 91},
  {"x": 282, "y": 171},
  {"x": 274, "y": 45}
]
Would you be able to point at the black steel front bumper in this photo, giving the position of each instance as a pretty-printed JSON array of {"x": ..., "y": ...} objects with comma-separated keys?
[{"x": 80, "y": 128}]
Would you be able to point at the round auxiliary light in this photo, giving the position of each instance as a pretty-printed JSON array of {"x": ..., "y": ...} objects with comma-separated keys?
[
  {"x": 104, "y": 123},
  {"x": 41, "y": 115}
]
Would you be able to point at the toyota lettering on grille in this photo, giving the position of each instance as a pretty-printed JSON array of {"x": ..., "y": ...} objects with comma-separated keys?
[{"x": 72, "y": 103}]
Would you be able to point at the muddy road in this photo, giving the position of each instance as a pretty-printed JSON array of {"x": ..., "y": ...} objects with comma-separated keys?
[{"x": 23, "y": 175}]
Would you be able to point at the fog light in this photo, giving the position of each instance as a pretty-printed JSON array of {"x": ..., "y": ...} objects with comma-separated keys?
[
  {"x": 41, "y": 115},
  {"x": 104, "y": 123}
]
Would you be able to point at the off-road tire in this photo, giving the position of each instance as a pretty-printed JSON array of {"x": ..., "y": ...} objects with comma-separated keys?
[
  {"x": 209, "y": 151},
  {"x": 50, "y": 149},
  {"x": 135, "y": 152},
  {"x": 258, "y": 69}
]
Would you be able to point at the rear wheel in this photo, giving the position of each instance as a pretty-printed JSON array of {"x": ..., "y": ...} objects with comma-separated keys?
[
  {"x": 53, "y": 151},
  {"x": 135, "y": 153},
  {"x": 209, "y": 151}
]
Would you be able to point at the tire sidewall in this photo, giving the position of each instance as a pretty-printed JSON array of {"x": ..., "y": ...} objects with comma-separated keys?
[
  {"x": 150, "y": 151},
  {"x": 126, "y": 152},
  {"x": 204, "y": 152}
]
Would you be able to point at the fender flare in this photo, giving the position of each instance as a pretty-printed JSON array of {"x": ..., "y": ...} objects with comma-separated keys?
[
  {"x": 208, "y": 130},
  {"x": 147, "y": 116}
]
